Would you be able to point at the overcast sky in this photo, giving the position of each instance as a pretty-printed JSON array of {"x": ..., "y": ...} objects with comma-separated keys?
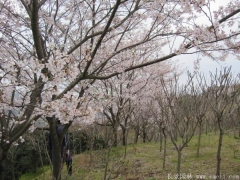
[{"x": 207, "y": 65}]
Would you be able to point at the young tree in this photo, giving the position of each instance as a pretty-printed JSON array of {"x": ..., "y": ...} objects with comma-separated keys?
[
  {"x": 199, "y": 102},
  {"x": 159, "y": 118},
  {"x": 179, "y": 115},
  {"x": 237, "y": 108},
  {"x": 53, "y": 51},
  {"x": 221, "y": 104},
  {"x": 121, "y": 94}
]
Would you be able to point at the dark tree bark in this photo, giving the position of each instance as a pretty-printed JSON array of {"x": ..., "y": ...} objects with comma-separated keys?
[
  {"x": 161, "y": 140},
  {"x": 124, "y": 136},
  {"x": 199, "y": 137},
  {"x": 136, "y": 134},
  {"x": 219, "y": 149},
  {"x": 179, "y": 157},
  {"x": 3, "y": 156},
  {"x": 56, "y": 140},
  {"x": 165, "y": 148}
]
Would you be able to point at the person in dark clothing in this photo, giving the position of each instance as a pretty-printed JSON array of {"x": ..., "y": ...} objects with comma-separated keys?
[{"x": 65, "y": 148}]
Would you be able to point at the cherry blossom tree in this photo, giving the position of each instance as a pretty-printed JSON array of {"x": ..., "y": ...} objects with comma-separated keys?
[
  {"x": 52, "y": 52},
  {"x": 120, "y": 96}
]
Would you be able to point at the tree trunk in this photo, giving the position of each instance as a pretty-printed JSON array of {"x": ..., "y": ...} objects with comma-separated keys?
[
  {"x": 239, "y": 130},
  {"x": 13, "y": 172},
  {"x": 125, "y": 151},
  {"x": 3, "y": 156},
  {"x": 136, "y": 130},
  {"x": 199, "y": 138},
  {"x": 57, "y": 163},
  {"x": 115, "y": 135},
  {"x": 57, "y": 150},
  {"x": 56, "y": 159},
  {"x": 176, "y": 135},
  {"x": 206, "y": 130},
  {"x": 144, "y": 136},
  {"x": 161, "y": 140},
  {"x": 219, "y": 150},
  {"x": 179, "y": 163},
  {"x": 123, "y": 136},
  {"x": 2, "y": 169},
  {"x": 186, "y": 143},
  {"x": 165, "y": 149},
  {"x": 179, "y": 153}
]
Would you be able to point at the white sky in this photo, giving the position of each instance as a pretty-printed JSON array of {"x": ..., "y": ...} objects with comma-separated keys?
[{"x": 207, "y": 65}]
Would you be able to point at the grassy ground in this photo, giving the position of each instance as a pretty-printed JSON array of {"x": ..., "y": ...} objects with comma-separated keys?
[{"x": 144, "y": 162}]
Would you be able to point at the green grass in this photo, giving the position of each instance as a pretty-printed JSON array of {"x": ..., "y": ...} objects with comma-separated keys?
[
  {"x": 41, "y": 173},
  {"x": 144, "y": 161}
]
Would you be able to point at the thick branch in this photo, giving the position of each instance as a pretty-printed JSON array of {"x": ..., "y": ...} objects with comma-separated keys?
[
  {"x": 133, "y": 67},
  {"x": 22, "y": 128},
  {"x": 102, "y": 35},
  {"x": 35, "y": 30},
  {"x": 188, "y": 46}
]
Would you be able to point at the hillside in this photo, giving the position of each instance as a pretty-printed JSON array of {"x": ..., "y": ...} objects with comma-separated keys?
[{"x": 144, "y": 162}]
